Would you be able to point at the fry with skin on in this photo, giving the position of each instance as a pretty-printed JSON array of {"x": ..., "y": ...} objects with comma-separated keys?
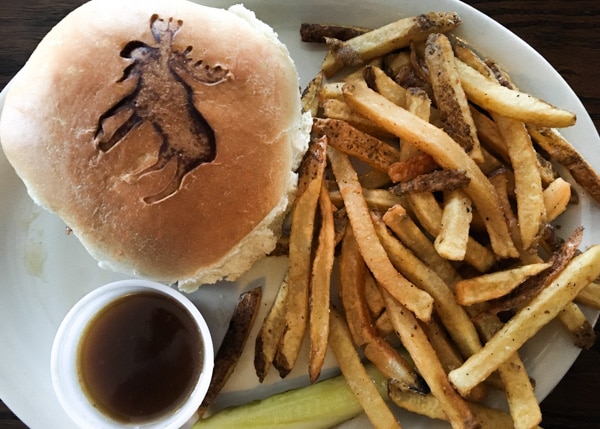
[
  {"x": 356, "y": 375},
  {"x": 299, "y": 270},
  {"x": 510, "y": 103},
  {"x": 449, "y": 95},
  {"x": 416, "y": 343},
  {"x": 556, "y": 198},
  {"x": 416, "y": 300},
  {"x": 310, "y": 95},
  {"x": 579, "y": 328},
  {"x": 353, "y": 275},
  {"x": 270, "y": 333},
  {"x": 319, "y": 287},
  {"x": 443, "y": 149},
  {"x": 494, "y": 285},
  {"x": 386, "y": 39},
  {"x": 541, "y": 310},
  {"x": 343, "y": 136}
]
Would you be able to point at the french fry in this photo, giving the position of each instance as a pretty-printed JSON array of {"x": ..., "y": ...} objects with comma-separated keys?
[
  {"x": 413, "y": 237},
  {"x": 444, "y": 150},
  {"x": 453, "y": 317},
  {"x": 343, "y": 136},
  {"x": 338, "y": 109},
  {"x": 318, "y": 33},
  {"x": 494, "y": 285},
  {"x": 590, "y": 296},
  {"x": 416, "y": 343},
  {"x": 310, "y": 95},
  {"x": 386, "y": 39},
  {"x": 556, "y": 198},
  {"x": 529, "y": 320},
  {"x": 411, "y": 167},
  {"x": 377, "y": 199},
  {"x": 373, "y": 252},
  {"x": 320, "y": 286},
  {"x": 453, "y": 236},
  {"x": 579, "y": 328},
  {"x": 510, "y": 103},
  {"x": 562, "y": 151},
  {"x": 233, "y": 343},
  {"x": 438, "y": 180},
  {"x": 531, "y": 210},
  {"x": 271, "y": 331},
  {"x": 300, "y": 260},
  {"x": 450, "y": 97},
  {"x": 356, "y": 375}
]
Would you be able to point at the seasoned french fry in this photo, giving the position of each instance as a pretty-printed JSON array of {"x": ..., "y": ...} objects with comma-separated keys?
[
  {"x": 494, "y": 285},
  {"x": 444, "y": 150},
  {"x": 270, "y": 333},
  {"x": 511, "y": 103},
  {"x": 338, "y": 109},
  {"x": 590, "y": 296},
  {"x": 320, "y": 286},
  {"x": 343, "y": 136},
  {"x": 438, "y": 180},
  {"x": 411, "y": 166},
  {"x": 310, "y": 95},
  {"x": 377, "y": 199},
  {"x": 297, "y": 302},
  {"x": 386, "y": 39},
  {"x": 453, "y": 236},
  {"x": 318, "y": 33},
  {"x": 411, "y": 235},
  {"x": 233, "y": 343},
  {"x": 416, "y": 343},
  {"x": 579, "y": 328},
  {"x": 373, "y": 252},
  {"x": 356, "y": 375},
  {"x": 529, "y": 320},
  {"x": 562, "y": 151},
  {"x": 531, "y": 210},
  {"x": 556, "y": 198},
  {"x": 453, "y": 317},
  {"x": 450, "y": 97}
]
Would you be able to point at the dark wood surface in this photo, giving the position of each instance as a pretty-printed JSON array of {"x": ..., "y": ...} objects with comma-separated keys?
[{"x": 566, "y": 32}]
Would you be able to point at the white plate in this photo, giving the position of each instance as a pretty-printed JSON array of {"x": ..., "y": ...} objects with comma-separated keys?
[{"x": 45, "y": 271}]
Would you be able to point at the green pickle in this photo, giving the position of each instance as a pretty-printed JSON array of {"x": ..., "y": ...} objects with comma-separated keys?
[{"x": 321, "y": 405}]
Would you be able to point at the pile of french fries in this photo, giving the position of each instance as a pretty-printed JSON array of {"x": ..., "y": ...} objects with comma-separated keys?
[{"x": 430, "y": 185}]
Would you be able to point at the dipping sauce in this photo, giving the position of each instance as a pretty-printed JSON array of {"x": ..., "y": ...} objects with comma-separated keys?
[{"x": 140, "y": 357}]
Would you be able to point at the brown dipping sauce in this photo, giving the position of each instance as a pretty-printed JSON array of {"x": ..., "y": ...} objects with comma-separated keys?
[{"x": 139, "y": 357}]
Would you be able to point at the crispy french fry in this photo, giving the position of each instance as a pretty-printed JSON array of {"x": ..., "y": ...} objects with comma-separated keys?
[
  {"x": 271, "y": 331},
  {"x": 356, "y": 375},
  {"x": 297, "y": 302},
  {"x": 510, "y": 103},
  {"x": 556, "y": 198},
  {"x": 450, "y": 97},
  {"x": 453, "y": 317},
  {"x": 343, "y": 136},
  {"x": 444, "y": 150},
  {"x": 411, "y": 167},
  {"x": 338, "y": 109},
  {"x": 320, "y": 286},
  {"x": 373, "y": 252},
  {"x": 494, "y": 285},
  {"x": 413, "y": 237},
  {"x": 386, "y": 39},
  {"x": 233, "y": 343},
  {"x": 317, "y": 33},
  {"x": 579, "y": 328},
  {"x": 416, "y": 343},
  {"x": 310, "y": 95},
  {"x": 453, "y": 236},
  {"x": 438, "y": 180},
  {"x": 590, "y": 296},
  {"x": 529, "y": 320},
  {"x": 531, "y": 210},
  {"x": 562, "y": 151}
]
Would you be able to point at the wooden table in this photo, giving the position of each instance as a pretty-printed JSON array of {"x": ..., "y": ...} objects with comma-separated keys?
[{"x": 566, "y": 32}]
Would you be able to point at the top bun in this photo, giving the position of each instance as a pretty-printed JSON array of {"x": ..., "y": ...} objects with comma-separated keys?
[{"x": 164, "y": 133}]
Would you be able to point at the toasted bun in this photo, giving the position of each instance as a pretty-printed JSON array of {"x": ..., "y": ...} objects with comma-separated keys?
[{"x": 165, "y": 134}]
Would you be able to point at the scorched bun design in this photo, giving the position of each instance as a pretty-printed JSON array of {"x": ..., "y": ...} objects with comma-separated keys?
[{"x": 166, "y": 136}]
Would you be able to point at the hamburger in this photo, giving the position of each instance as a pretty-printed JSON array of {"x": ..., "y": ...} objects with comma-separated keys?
[{"x": 166, "y": 136}]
